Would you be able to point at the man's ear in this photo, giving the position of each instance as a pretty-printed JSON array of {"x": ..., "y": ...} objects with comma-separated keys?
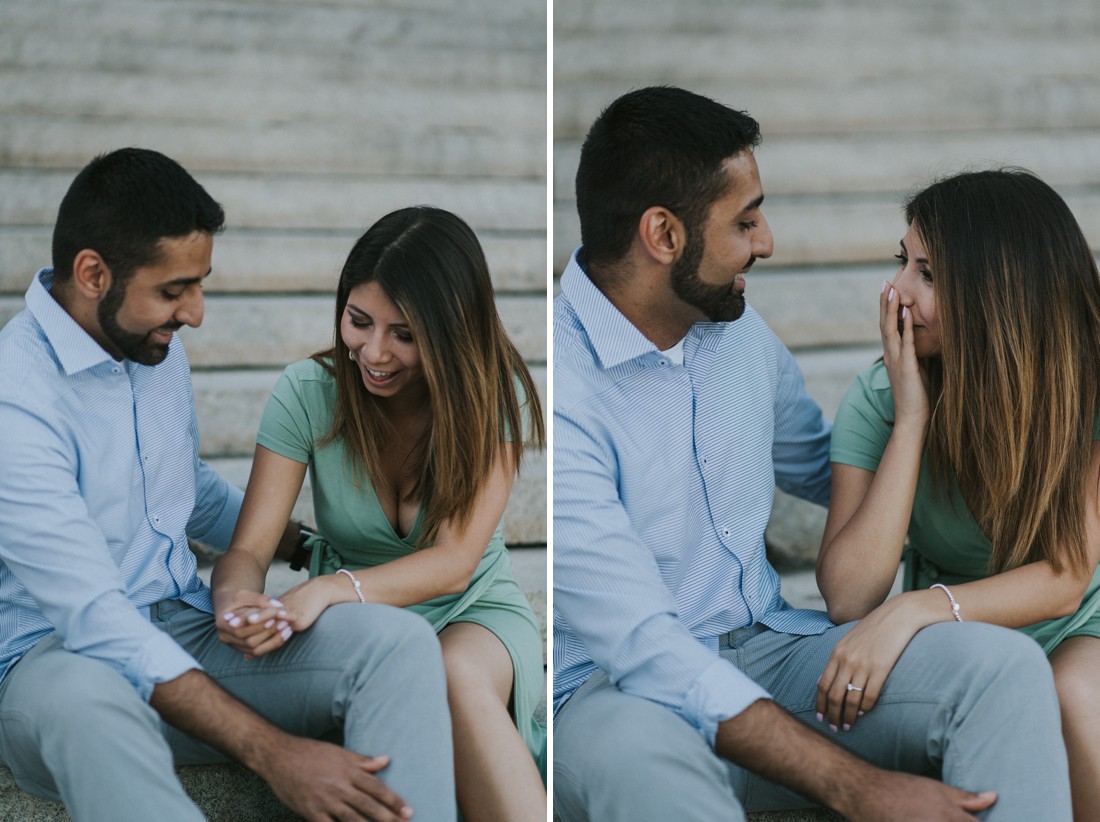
[
  {"x": 91, "y": 276},
  {"x": 662, "y": 234}
]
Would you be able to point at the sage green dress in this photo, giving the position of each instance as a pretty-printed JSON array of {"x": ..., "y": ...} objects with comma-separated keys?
[
  {"x": 945, "y": 543},
  {"x": 357, "y": 534}
]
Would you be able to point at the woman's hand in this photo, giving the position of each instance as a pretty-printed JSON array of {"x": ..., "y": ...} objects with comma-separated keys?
[
  {"x": 308, "y": 600},
  {"x": 864, "y": 658},
  {"x": 908, "y": 379},
  {"x": 248, "y": 621}
]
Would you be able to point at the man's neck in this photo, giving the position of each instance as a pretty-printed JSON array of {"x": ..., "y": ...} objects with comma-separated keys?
[{"x": 645, "y": 297}]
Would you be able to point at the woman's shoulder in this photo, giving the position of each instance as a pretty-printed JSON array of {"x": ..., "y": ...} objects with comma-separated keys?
[
  {"x": 308, "y": 370},
  {"x": 308, "y": 382}
]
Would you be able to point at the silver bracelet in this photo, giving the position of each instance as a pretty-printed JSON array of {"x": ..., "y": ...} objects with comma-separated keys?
[
  {"x": 950, "y": 596},
  {"x": 359, "y": 588}
]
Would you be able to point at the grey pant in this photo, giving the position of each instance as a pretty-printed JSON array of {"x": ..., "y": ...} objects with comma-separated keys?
[
  {"x": 74, "y": 729},
  {"x": 971, "y": 701}
]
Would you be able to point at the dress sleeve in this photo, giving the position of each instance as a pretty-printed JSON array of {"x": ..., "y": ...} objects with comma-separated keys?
[
  {"x": 285, "y": 427},
  {"x": 864, "y": 420}
]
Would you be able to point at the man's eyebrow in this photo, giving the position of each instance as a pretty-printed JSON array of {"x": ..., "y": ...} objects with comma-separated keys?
[{"x": 187, "y": 280}]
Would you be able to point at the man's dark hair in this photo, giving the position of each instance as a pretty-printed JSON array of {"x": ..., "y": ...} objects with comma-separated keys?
[
  {"x": 122, "y": 204},
  {"x": 656, "y": 146}
]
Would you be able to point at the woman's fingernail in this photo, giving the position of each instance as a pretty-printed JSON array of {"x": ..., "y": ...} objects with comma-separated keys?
[
  {"x": 228, "y": 615},
  {"x": 235, "y": 622},
  {"x": 847, "y": 726},
  {"x": 860, "y": 713},
  {"x": 832, "y": 728},
  {"x": 820, "y": 716},
  {"x": 269, "y": 623},
  {"x": 890, "y": 296},
  {"x": 903, "y": 310},
  {"x": 885, "y": 285},
  {"x": 253, "y": 618},
  {"x": 286, "y": 632},
  {"x": 281, "y": 624},
  {"x": 276, "y": 603}
]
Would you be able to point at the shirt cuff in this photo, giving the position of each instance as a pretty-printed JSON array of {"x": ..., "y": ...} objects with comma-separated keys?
[
  {"x": 159, "y": 660},
  {"x": 720, "y": 692}
]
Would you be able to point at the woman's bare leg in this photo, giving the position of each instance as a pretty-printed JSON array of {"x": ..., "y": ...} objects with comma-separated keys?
[
  {"x": 1076, "y": 664},
  {"x": 495, "y": 775}
]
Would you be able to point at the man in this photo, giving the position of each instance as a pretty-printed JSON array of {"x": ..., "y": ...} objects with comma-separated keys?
[
  {"x": 105, "y": 629},
  {"x": 677, "y": 665}
]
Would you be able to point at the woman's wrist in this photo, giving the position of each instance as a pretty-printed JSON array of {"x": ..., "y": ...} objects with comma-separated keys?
[
  {"x": 338, "y": 588},
  {"x": 926, "y": 607}
]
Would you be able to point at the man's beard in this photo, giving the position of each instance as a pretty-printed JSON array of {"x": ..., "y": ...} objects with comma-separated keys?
[
  {"x": 133, "y": 346},
  {"x": 718, "y": 303}
]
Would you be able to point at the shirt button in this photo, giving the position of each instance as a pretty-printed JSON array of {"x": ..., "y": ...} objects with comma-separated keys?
[
  {"x": 156, "y": 520},
  {"x": 725, "y": 532}
]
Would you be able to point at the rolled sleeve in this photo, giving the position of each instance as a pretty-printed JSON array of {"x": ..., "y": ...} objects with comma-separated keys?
[{"x": 608, "y": 589}]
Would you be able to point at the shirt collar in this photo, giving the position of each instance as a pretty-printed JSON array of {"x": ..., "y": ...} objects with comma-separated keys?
[
  {"x": 612, "y": 335},
  {"x": 614, "y": 338},
  {"x": 74, "y": 347}
]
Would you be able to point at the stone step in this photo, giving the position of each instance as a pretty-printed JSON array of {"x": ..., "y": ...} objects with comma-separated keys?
[
  {"x": 473, "y": 47},
  {"x": 793, "y": 164},
  {"x": 132, "y": 95},
  {"x": 254, "y": 261},
  {"x": 230, "y": 403},
  {"x": 814, "y": 230},
  {"x": 275, "y": 330},
  {"x": 809, "y": 57},
  {"x": 524, "y": 518},
  {"x": 62, "y": 140},
  {"x": 309, "y": 201}
]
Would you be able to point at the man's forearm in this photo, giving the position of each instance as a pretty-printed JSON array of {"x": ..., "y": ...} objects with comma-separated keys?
[
  {"x": 769, "y": 741},
  {"x": 197, "y": 705}
]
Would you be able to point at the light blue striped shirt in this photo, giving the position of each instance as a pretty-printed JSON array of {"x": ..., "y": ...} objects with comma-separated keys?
[
  {"x": 663, "y": 484},
  {"x": 101, "y": 486}
]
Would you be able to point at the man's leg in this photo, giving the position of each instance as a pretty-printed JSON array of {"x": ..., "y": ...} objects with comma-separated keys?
[
  {"x": 74, "y": 729},
  {"x": 620, "y": 758},
  {"x": 369, "y": 672},
  {"x": 973, "y": 701}
]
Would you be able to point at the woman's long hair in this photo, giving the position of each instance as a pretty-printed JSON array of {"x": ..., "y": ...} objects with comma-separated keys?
[
  {"x": 430, "y": 264},
  {"x": 1014, "y": 395}
]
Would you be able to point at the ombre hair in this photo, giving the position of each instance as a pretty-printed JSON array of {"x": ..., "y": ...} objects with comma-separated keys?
[
  {"x": 1015, "y": 392},
  {"x": 430, "y": 264}
]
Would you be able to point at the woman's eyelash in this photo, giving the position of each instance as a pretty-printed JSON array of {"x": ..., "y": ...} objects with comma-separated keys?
[{"x": 901, "y": 258}]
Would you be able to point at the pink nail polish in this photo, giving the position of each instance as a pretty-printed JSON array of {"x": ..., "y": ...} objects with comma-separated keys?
[
  {"x": 832, "y": 728},
  {"x": 847, "y": 727},
  {"x": 269, "y": 623},
  {"x": 820, "y": 716},
  {"x": 885, "y": 284},
  {"x": 903, "y": 310},
  {"x": 890, "y": 296}
]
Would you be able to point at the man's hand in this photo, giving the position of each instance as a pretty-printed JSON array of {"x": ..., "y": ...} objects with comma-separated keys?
[
  {"x": 321, "y": 781},
  {"x": 895, "y": 796}
]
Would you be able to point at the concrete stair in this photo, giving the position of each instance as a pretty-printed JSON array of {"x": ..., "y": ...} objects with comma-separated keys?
[
  {"x": 860, "y": 103},
  {"x": 307, "y": 121}
]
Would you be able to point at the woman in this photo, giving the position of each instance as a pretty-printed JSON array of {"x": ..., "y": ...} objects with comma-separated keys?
[
  {"x": 976, "y": 437},
  {"x": 411, "y": 426}
]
